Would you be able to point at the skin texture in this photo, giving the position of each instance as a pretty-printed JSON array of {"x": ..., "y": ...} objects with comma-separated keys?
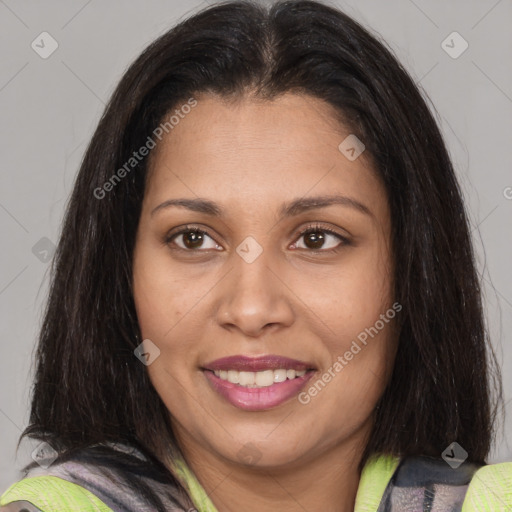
[{"x": 198, "y": 305}]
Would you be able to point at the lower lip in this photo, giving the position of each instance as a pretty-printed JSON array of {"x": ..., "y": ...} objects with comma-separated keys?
[{"x": 257, "y": 399}]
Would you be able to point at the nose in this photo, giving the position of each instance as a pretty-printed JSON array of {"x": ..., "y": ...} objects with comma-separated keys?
[{"x": 254, "y": 297}]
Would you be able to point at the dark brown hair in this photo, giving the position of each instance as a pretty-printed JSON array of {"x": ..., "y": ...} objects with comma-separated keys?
[{"x": 89, "y": 386}]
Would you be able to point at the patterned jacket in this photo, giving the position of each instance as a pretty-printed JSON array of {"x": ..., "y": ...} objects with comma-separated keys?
[{"x": 387, "y": 484}]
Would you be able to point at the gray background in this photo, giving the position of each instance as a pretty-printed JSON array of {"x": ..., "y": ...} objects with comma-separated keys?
[{"x": 50, "y": 108}]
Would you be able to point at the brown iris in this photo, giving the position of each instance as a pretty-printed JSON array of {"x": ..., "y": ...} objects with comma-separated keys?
[
  {"x": 316, "y": 239},
  {"x": 193, "y": 239}
]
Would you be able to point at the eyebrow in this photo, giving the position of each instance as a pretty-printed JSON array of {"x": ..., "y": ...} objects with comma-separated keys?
[{"x": 290, "y": 209}]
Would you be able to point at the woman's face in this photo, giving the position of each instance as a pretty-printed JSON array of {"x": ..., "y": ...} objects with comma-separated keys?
[{"x": 306, "y": 318}]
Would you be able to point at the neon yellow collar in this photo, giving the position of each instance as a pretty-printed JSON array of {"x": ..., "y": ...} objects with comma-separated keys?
[{"x": 374, "y": 478}]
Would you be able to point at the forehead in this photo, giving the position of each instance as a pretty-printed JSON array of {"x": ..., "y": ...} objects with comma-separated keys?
[{"x": 250, "y": 149}]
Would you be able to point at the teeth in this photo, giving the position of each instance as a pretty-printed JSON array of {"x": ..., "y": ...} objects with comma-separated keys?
[
  {"x": 233, "y": 376},
  {"x": 264, "y": 379},
  {"x": 279, "y": 375},
  {"x": 261, "y": 379},
  {"x": 244, "y": 378}
]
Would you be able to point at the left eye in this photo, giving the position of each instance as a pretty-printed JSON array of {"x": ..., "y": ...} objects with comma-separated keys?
[{"x": 320, "y": 238}]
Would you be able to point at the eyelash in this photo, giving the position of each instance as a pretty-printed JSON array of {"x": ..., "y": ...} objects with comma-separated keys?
[{"x": 314, "y": 228}]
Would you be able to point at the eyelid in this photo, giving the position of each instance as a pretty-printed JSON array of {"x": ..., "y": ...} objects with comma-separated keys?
[
  {"x": 318, "y": 226},
  {"x": 168, "y": 238}
]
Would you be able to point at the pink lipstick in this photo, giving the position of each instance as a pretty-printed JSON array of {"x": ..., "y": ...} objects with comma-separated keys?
[{"x": 257, "y": 383}]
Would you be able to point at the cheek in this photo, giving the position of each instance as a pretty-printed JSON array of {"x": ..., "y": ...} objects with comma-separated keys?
[
  {"x": 170, "y": 307},
  {"x": 162, "y": 301},
  {"x": 163, "y": 295},
  {"x": 347, "y": 299},
  {"x": 346, "y": 391},
  {"x": 354, "y": 317}
]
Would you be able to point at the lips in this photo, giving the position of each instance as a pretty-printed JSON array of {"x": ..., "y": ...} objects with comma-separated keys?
[
  {"x": 257, "y": 399},
  {"x": 256, "y": 364},
  {"x": 251, "y": 397}
]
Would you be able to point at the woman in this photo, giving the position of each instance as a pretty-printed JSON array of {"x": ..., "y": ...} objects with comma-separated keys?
[{"x": 264, "y": 294}]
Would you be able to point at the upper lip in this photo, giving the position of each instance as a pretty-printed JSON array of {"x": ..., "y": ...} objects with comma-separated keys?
[{"x": 255, "y": 364}]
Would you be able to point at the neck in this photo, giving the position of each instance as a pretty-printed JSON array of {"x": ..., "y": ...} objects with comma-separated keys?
[{"x": 329, "y": 481}]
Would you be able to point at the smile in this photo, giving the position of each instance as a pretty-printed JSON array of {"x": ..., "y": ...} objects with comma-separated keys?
[
  {"x": 252, "y": 397},
  {"x": 257, "y": 383},
  {"x": 261, "y": 379}
]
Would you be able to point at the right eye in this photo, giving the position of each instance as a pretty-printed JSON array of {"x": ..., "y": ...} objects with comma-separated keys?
[{"x": 192, "y": 238}]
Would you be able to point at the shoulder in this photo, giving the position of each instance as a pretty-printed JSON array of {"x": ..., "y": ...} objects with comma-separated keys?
[
  {"x": 90, "y": 480},
  {"x": 427, "y": 483},
  {"x": 48, "y": 494},
  {"x": 490, "y": 489}
]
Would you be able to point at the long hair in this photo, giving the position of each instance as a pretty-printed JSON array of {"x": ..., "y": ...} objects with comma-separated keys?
[{"x": 90, "y": 388}]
